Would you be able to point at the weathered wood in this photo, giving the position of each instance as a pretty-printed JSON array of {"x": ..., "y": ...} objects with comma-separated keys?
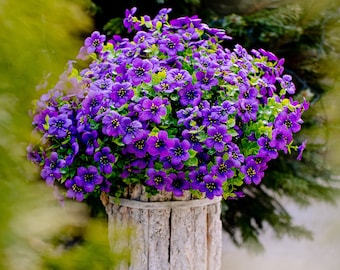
[{"x": 170, "y": 233}]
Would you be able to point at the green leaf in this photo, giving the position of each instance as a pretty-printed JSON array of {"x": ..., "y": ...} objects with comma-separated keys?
[
  {"x": 192, "y": 162},
  {"x": 192, "y": 153}
]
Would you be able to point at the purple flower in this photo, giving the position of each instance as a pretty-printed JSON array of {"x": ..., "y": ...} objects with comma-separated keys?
[
  {"x": 190, "y": 95},
  {"x": 59, "y": 125},
  {"x": 105, "y": 159},
  {"x": 72, "y": 154},
  {"x": 165, "y": 86},
  {"x": 218, "y": 137},
  {"x": 82, "y": 121},
  {"x": 88, "y": 178},
  {"x": 90, "y": 140},
  {"x": 51, "y": 170},
  {"x": 291, "y": 120},
  {"x": 192, "y": 138},
  {"x": 179, "y": 152},
  {"x": 235, "y": 154},
  {"x": 157, "y": 179},
  {"x": 160, "y": 144},
  {"x": 128, "y": 20},
  {"x": 128, "y": 170},
  {"x": 179, "y": 77},
  {"x": 247, "y": 109},
  {"x": 223, "y": 111},
  {"x": 152, "y": 110},
  {"x": 143, "y": 40},
  {"x": 287, "y": 84},
  {"x": 101, "y": 85},
  {"x": 185, "y": 116},
  {"x": 177, "y": 184},
  {"x": 248, "y": 93},
  {"x": 300, "y": 150},
  {"x": 205, "y": 79},
  {"x": 212, "y": 187},
  {"x": 162, "y": 16},
  {"x": 252, "y": 173},
  {"x": 112, "y": 124},
  {"x": 74, "y": 191},
  {"x": 121, "y": 93},
  {"x": 196, "y": 176},
  {"x": 147, "y": 161},
  {"x": 131, "y": 129},
  {"x": 281, "y": 137},
  {"x": 171, "y": 44},
  {"x": 138, "y": 147},
  {"x": 265, "y": 149},
  {"x": 33, "y": 154},
  {"x": 139, "y": 71},
  {"x": 210, "y": 118},
  {"x": 95, "y": 42},
  {"x": 222, "y": 169},
  {"x": 92, "y": 103}
]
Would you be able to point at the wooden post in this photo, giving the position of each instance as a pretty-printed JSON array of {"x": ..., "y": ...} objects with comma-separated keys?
[{"x": 170, "y": 233}]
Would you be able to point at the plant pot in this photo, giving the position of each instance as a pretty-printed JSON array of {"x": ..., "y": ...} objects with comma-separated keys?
[{"x": 168, "y": 232}]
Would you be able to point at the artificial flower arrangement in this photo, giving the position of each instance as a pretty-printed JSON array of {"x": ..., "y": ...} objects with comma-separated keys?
[{"x": 170, "y": 109}]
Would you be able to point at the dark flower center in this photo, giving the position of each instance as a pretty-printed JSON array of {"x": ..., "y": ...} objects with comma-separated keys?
[
  {"x": 104, "y": 160},
  {"x": 94, "y": 102},
  {"x": 249, "y": 108},
  {"x": 177, "y": 183},
  {"x": 158, "y": 180},
  {"x": 200, "y": 178},
  {"x": 218, "y": 137},
  {"x": 210, "y": 186},
  {"x": 205, "y": 80},
  {"x": 165, "y": 86},
  {"x": 141, "y": 39},
  {"x": 190, "y": 95},
  {"x": 88, "y": 177},
  {"x": 154, "y": 109},
  {"x": 212, "y": 120},
  {"x": 53, "y": 166},
  {"x": 222, "y": 168},
  {"x": 121, "y": 92},
  {"x": 258, "y": 160},
  {"x": 179, "y": 76},
  {"x": 171, "y": 45},
  {"x": 140, "y": 71},
  {"x": 140, "y": 144},
  {"x": 95, "y": 42},
  {"x": 251, "y": 172},
  {"x": 130, "y": 129},
  {"x": 75, "y": 188},
  {"x": 288, "y": 123},
  {"x": 102, "y": 85},
  {"x": 129, "y": 53},
  {"x": 159, "y": 143},
  {"x": 59, "y": 124},
  {"x": 178, "y": 152},
  {"x": 234, "y": 155},
  {"x": 193, "y": 138},
  {"x": 268, "y": 147},
  {"x": 90, "y": 142},
  {"x": 115, "y": 123}
]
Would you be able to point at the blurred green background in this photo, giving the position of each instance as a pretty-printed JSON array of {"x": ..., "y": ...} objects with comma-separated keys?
[{"x": 37, "y": 38}]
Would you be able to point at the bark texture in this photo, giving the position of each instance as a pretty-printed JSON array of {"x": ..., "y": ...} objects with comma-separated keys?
[{"x": 169, "y": 233}]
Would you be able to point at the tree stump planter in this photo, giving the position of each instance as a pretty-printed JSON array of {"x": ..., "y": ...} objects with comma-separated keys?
[{"x": 170, "y": 233}]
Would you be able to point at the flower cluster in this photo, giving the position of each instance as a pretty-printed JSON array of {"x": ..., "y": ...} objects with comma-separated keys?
[{"x": 170, "y": 108}]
